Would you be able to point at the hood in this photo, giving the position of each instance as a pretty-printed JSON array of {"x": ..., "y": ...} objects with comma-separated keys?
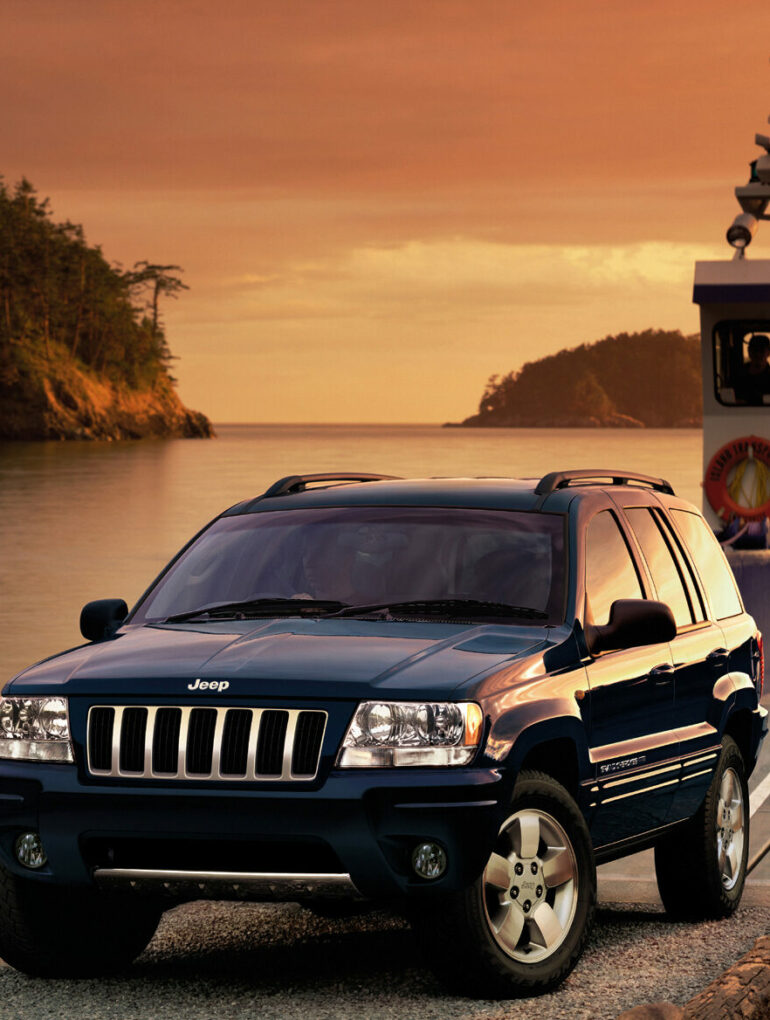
[{"x": 313, "y": 658}]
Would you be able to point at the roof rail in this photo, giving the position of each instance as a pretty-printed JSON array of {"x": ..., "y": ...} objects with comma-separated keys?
[
  {"x": 562, "y": 479},
  {"x": 298, "y": 483}
]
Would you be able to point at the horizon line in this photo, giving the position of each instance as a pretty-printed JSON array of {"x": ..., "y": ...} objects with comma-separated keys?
[{"x": 220, "y": 424}]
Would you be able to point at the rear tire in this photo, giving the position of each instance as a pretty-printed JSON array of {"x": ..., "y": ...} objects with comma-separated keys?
[
  {"x": 46, "y": 931},
  {"x": 701, "y": 868},
  {"x": 522, "y": 926}
]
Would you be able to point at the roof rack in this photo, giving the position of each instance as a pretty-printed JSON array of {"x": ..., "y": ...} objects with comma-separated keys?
[
  {"x": 298, "y": 483},
  {"x": 562, "y": 479}
]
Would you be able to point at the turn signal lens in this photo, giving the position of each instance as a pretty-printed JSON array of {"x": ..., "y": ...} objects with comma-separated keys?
[{"x": 474, "y": 720}]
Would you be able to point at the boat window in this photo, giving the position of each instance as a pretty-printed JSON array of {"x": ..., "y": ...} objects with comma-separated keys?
[{"x": 742, "y": 362}]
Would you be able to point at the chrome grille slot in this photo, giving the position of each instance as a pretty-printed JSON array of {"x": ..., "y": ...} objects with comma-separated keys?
[
  {"x": 307, "y": 740},
  {"x": 100, "y": 737},
  {"x": 132, "y": 740},
  {"x": 200, "y": 741},
  {"x": 235, "y": 742},
  {"x": 165, "y": 740},
  {"x": 272, "y": 734},
  {"x": 205, "y": 743}
]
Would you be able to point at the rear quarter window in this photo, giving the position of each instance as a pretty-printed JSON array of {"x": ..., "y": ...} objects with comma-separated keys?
[{"x": 710, "y": 563}]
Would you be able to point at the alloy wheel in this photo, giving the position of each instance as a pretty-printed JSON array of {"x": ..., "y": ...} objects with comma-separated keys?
[
  {"x": 531, "y": 886},
  {"x": 730, "y": 829}
]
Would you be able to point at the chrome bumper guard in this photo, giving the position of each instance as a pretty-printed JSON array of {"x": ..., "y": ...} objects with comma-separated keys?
[{"x": 241, "y": 885}]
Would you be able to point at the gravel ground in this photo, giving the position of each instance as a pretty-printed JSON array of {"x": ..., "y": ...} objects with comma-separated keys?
[{"x": 231, "y": 960}]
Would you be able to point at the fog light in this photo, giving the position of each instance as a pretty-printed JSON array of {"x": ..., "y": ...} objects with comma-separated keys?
[
  {"x": 429, "y": 860},
  {"x": 29, "y": 850}
]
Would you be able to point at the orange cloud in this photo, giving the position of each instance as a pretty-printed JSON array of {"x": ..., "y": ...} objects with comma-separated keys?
[{"x": 353, "y": 178}]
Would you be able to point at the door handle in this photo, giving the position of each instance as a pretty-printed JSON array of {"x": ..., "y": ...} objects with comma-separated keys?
[
  {"x": 718, "y": 657},
  {"x": 661, "y": 675}
]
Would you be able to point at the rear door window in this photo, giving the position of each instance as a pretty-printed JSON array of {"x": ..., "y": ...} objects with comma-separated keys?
[
  {"x": 684, "y": 563},
  {"x": 610, "y": 570},
  {"x": 662, "y": 565},
  {"x": 710, "y": 562}
]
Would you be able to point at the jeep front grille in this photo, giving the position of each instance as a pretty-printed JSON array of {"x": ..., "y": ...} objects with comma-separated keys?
[{"x": 248, "y": 744}]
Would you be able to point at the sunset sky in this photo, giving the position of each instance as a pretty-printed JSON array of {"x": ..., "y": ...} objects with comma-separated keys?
[{"x": 379, "y": 204}]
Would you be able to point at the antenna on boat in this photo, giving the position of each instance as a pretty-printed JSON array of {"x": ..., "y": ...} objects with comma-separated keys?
[{"x": 753, "y": 199}]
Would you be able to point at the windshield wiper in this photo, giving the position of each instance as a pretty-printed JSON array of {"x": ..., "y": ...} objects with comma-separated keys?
[
  {"x": 259, "y": 607},
  {"x": 445, "y": 607},
  {"x": 329, "y": 608}
]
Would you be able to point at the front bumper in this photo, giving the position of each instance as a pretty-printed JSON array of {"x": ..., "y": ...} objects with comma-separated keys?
[{"x": 361, "y": 824}]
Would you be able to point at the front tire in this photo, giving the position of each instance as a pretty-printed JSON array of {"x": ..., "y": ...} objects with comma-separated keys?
[
  {"x": 46, "y": 931},
  {"x": 522, "y": 926},
  {"x": 701, "y": 869}
]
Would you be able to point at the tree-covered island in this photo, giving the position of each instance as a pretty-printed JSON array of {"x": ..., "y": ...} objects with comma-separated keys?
[
  {"x": 83, "y": 354},
  {"x": 650, "y": 379}
]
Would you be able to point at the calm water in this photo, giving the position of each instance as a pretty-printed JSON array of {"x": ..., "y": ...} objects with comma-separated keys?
[{"x": 95, "y": 520}]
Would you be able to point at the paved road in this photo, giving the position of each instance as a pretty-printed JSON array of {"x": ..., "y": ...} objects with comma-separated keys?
[
  {"x": 232, "y": 960},
  {"x": 633, "y": 878}
]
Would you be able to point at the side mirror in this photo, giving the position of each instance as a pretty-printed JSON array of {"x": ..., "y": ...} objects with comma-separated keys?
[
  {"x": 100, "y": 619},
  {"x": 632, "y": 622}
]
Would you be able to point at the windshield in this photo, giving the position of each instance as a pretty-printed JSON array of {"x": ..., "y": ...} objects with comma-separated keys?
[{"x": 369, "y": 555}]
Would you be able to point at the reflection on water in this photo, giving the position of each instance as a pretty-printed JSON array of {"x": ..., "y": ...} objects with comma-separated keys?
[{"x": 95, "y": 520}]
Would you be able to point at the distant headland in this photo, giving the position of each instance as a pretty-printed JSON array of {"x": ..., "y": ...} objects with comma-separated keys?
[
  {"x": 83, "y": 354},
  {"x": 633, "y": 380}
]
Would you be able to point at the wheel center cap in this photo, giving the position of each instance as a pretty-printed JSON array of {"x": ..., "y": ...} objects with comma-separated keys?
[{"x": 527, "y": 886}]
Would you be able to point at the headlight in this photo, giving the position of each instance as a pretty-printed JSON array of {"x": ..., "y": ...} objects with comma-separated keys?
[
  {"x": 387, "y": 733},
  {"x": 35, "y": 729}
]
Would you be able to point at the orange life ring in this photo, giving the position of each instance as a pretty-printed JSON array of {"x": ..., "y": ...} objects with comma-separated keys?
[{"x": 721, "y": 464}]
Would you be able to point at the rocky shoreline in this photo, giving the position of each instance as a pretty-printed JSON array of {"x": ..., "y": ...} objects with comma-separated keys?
[
  {"x": 569, "y": 421},
  {"x": 57, "y": 398}
]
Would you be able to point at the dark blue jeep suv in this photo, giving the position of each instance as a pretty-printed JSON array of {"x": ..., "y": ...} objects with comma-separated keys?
[{"x": 455, "y": 695}]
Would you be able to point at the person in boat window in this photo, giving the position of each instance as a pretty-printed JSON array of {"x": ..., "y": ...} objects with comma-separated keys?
[{"x": 753, "y": 379}]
